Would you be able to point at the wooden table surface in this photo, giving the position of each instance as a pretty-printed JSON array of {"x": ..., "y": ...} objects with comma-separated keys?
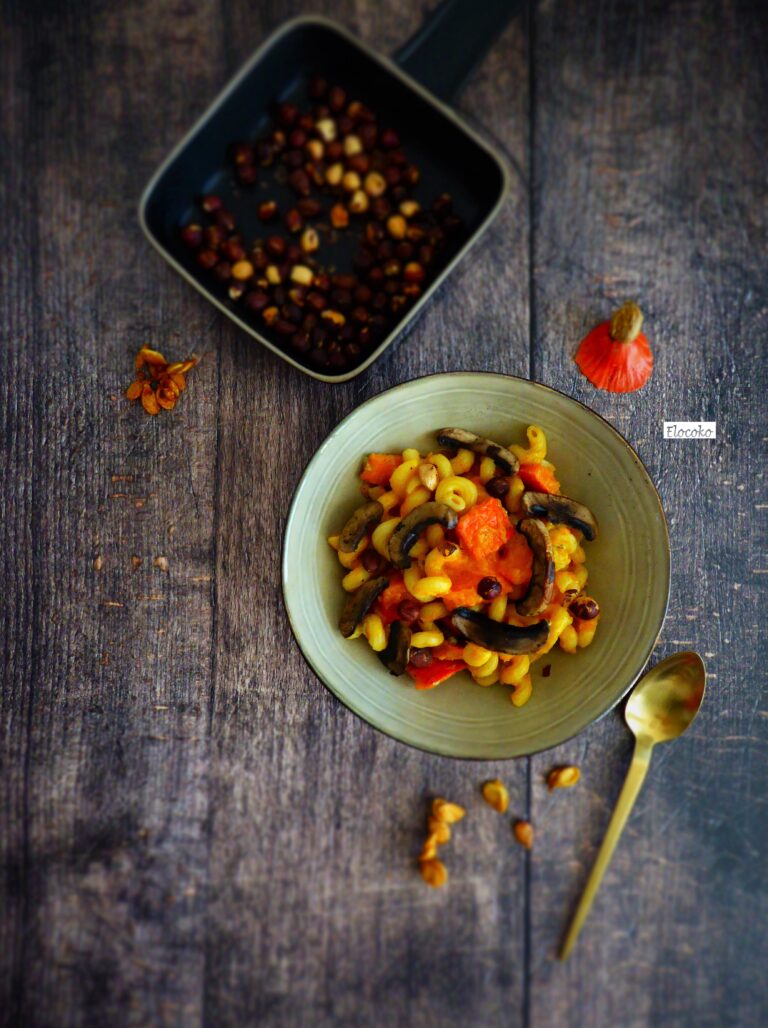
[{"x": 193, "y": 830}]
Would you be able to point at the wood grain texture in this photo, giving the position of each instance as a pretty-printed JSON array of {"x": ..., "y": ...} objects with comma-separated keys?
[
  {"x": 649, "y": 184},
  {"x": 192, "y": 829}
]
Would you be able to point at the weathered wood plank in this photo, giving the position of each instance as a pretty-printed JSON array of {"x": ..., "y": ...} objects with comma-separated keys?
[
  {"x": 649, "y": 159},
  {"x": 317, "y": 914},
  {"x": 106, "y": 724}
]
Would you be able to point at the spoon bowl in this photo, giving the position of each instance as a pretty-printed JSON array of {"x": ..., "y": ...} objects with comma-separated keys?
[
  {"x": 667, "y": 699},
  {"x": 659, "y": 709}
]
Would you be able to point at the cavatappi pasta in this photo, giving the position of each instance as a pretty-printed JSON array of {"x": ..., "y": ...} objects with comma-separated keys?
[{"x": 467, "y": 558}]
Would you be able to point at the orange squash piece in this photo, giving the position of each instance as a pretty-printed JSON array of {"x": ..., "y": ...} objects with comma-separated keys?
[
  {"x": 378, "y": 467},
  {"x": 484, "y": 529}
]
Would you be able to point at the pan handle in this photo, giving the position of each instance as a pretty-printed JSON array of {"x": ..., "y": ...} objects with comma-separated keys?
[{"x": 454, "y": 38}]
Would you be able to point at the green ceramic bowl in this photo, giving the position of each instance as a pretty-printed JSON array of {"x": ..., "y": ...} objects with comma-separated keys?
[{"x": 629, "y": 567}]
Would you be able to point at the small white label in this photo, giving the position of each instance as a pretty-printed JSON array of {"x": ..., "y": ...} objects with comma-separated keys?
[{"x": 690, "y": 430}]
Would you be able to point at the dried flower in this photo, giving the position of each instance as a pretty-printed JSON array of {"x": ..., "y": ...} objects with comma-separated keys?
[
  {"x": 563, "y": 777},
  {"x": 523, "y": 831},
  {"x": 495, "y": 795},
  {"x": 434, "y": 872},
  {"x": 158, "y": 384},
  {"x": 450, "y": 813},
  {"x": 615, "y": 355}
]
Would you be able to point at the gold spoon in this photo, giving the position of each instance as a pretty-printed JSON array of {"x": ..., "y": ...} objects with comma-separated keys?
[{"x": 660, "y": 708}]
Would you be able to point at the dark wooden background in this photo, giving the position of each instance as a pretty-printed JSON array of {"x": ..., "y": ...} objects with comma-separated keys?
[{"x": 193, "y": 831}]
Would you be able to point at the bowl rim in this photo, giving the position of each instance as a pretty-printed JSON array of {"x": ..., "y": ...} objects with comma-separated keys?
[
  {"x": 403, "y": 327},
  {"x": 435, "y": 750}
]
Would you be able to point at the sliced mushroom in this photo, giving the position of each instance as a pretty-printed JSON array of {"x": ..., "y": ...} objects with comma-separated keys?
[
  {"x": 496, "y": 635},
  {"x": 359, "y": 603},
  {"x": 362, "y": 519},
  {"x": 561, "y": 510},
  {"x": 395, "y": 654},
  {"x": 505, "y": 459},
  {"x": 413, "y": 524},
  {"x": 542, "y": 583}
]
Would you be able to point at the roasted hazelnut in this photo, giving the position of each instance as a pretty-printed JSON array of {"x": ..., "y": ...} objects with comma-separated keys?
[
  {"x": 413, "y": 272},
  {"x": 272, "y": 275},
  {"x": 411, "y": 175},
  {"x": 211, "y": 203},
  {"x": 235, "y": 290},
  {"x": 214, "y": 237},
  {"x": 334, "y": 150},
  {"x": 247, "y": 174},
  {"x": 375, "y": 184},
  {"x": 192, "y": 235},
  {"x": 284, "y": 328},
  {"x": 242, "y": 271},
  {"x": 344, "y": 124},
  {"x": 339, "y": 216},
  {"x": 334, "y": 174},
  {"x": 293, "y": 220},
  {"x": 287, "y": 113},
  {"x": 267, "y": 210},
  {"x": 397, "y": 226},
  {"x": 350, "y": 181},
  {"x": 298, "y": 180},
  {"x": 259, "y": 259},
  {"x": 368, "y": 134},
  {"x": 337, "y": 98},
  {"x": 265, "y": 152},
  {"x": 243, "y": 153},
  {"x": 498, "y": 486},
  {"x": 310, "y": 241},
  {"x": 392, "y": 175},
  {"x": 233, "y": 251},
  {"x": 381, "y": 208},
  {"x": 225, "y": 220},
  {"x": 207, "y": 258},
  {"x": 392, "y": 269},
  {"x": 326, "y": 129},
  {"x": 293, "y": 158},
  {"x": 302, "y": 275},
  {"x": 359, "y": 163},
  {"x": 315, "y": 149},
  {"x": 309, "y": 207},
  {"x": 335, "y": 318},
  {"x": 223, "y": 271},
  {"x": 389, "y": 139},
  {"x": 409, "y": 207},
  {"x": 300, "y": 342},
  {"x": 341, "y": 297},
  {"x": 352, "y": 145},
  {"x": 270, "y": 315},
  {"x": 411, "y": 290},
  {"x": 276, "y": 245},
  {"x": 358, "y": 202},
  {"x": 316, "y": 301}
]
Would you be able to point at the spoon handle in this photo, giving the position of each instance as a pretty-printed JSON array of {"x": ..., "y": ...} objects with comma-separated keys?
[{"x": 624, "y": 804}]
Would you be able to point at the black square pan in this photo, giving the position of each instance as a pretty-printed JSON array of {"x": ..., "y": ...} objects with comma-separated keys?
[{"x": 450, "y": 155}]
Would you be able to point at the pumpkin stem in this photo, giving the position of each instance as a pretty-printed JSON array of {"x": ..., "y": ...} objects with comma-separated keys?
[{"x": 626, "y": 323}]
